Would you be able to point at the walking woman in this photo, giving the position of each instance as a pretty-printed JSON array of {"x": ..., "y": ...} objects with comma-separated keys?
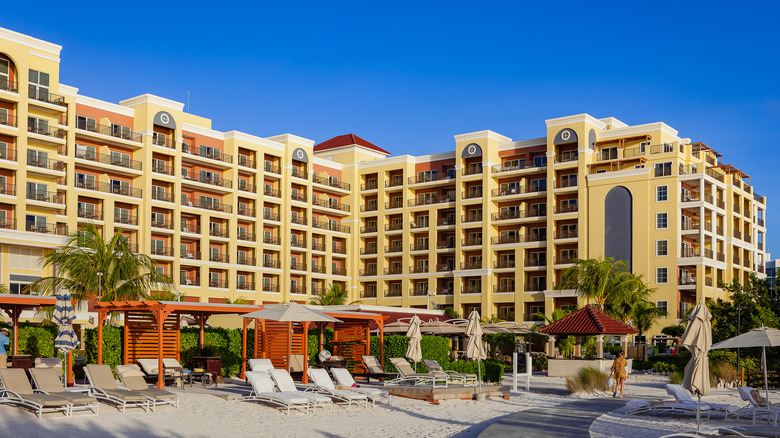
[{"x": 618, "y": 373}]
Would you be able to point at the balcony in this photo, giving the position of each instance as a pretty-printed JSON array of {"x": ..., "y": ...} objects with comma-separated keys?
[
  {"x": 299, "y": 220},
  {"x": 90, "y": 214},
  {"x": 512, "y": 168},
  {"x": 368, "y": 250},
  {"x": 246, "y": 211},
  {"x": 423, "y": 269},
  {"x": 419, "y": 246},
  {"x": 535, "y": 287},
  {"x": 10, "y": 86},
  {"x": 333, "y": 204},
  {"x": 212, "y": 181},
  {"x": 272, "y": 264},
  {"x": 118, "y": 161},
  {"x": 393, "y": 293},
  {"x": 44, "y": 95},
  {"x": 417, "y": 292},
  {"x": 8, "y": 120},
  {"x": 162, "y": 196},
  {"x": 162, "y": 223},
  {"x": 475, "y": 170},
  {"x": 394, "y": 182},
  {"x": 315, "y": 246},
  {"x": 447, "y": 221},
  {"x": 53, "y": 197},
  {"x": 471, "y": 194},
  {"x": 270, "y": 168},
  {"x": 297, "y": 266},
  {"x": 270, "y": 287},
  {"x": 318, "y": 269},
  {"x": 7, "y": 154},
  {"x": 298, "y": 196},
  {"x": 164, "y": 251},
  {"x": 47, "y": 131},
  {"x": 471, "y": 241},
  {"x": 324, "y": 225},
  {"x": 504, "y": 288},
  {"x": 686, "y": 281},
  {"x": 566, "y": 157},
  {"x": 58, "y": 229},
  {"x": 690, "y": 252},
  {"x": 445, "y": 267},
  {"x": 340, "y": 249},
  {"x": 566, "y": 234},
  {"x": 115, "y": 131},
  {"x": 475, "y": 264},
  {"x": 373, "y": 185},
  {"x": 427, "y": 200},
  {"x": 244, "y": 161},
  {"x": 469, "y": 218},
  {"x": 394, "y": 270},
  {"x": 507, "y": 239},
  {"x": 736, "y": 260},
  {"x": 369, "y": 229},
  {"x": 207, "y": 204},
  {"x": 126, "y": 219},
  {"x": 331, "y": 182},
  {"x": 471, "y": 289},
  {"x": 445, "y": 244},
  {"x": 297, "y": 244},
  {"x": 109, "y": 188},
  {"x": 245, "y": 285},
  {"x": 163, "y": 141},
  {"x": 519, "y": 190},
  {"x": 297, "y": 172},
  {"x": 211, "y": 154},
  {"x": 249, "y": 237},
  {"x": 300, "y": 290},
  {"x": 218, "y": 283},
  {"x": 565, "y": 259},
  {"x": 393, "y": 248},
  {"x": 271, "y": 216},
  {"x": 535, "y": 262},
  {"x": 394, "y": 204},
  {"x": 368, "y": 207},
  {"x": 161, "y": 168},
  {"x": 394, "y": 226},
  {"x": 246, "y": 187},
  {"x": 503, "y": 264},
  {"x": 566, "y": 183},
  {"x": 370, "y": 272},
  {"x": 737, "y": 209},
  {"x": 190, "y": 281},
  {"x": 689, "y": 225},
  {"x": 519, "y": 214},
  {"x": 7, "y": 189},
  {"x": 274, "y": 193},
  {"x": 368, "y": 293},
  {"x": 55, "y": 165}
]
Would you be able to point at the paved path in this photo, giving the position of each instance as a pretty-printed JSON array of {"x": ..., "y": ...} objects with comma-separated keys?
[{"x": 571, "y": 419}]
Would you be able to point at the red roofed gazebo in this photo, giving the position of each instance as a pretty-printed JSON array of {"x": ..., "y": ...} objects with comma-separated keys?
[{"x": 584, "y": 322}]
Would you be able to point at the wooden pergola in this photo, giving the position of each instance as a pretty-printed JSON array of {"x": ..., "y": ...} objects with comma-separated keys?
[
  {"x": 14, "y": 304},
  {"x": 152, "y": 327},
  {"x": 351, "y": 339}
]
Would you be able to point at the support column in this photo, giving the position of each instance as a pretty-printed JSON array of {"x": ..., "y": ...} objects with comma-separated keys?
[
  {"x": 381, "y": 342},
  {"x": 600, "y": 347},
  {"x": 551, "y": 346},
  {"x": 160, "y": 316},
  {"x": 243, "y": 347},
  {"x": 624, "y": 344},
  {"x": 578, "y": 346},
  {"x": 101, "y": 319},
  {"x": 305, "y": 346}
]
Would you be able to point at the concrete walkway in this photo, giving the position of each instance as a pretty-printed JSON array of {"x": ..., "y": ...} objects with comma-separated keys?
[{"x": 567, "y": 420}]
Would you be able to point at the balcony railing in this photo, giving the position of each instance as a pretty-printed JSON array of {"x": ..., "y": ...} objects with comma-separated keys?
[
  {"x": 445, "y": 267},
  {"x": 471, "y": 265},
  {"x": 298, "y": 266},
  {"x": 246, "y": 211},
  {"x": 325, "y": 225},
  {"x": 394, "y": 204},
  {"x": 222, "y": 284},
  {"x": 473, "y": 217},
  {"x": 270, "y": 287},
  {"x": 44, "y": 95},
  {"x": 267, "y": 191},
  {"x": 394, "y": 226},
  {"x": 166, "y": 251},
  {"x": 566, "y": 234},
  {"x": 109, "y": 188},
  {"x": 190, "y": 281},
  {"x": 218, "y": 232},
  {"x": 8, "y": 120},
  {"x": 537, "y": 188},
  {"x": 58, "y": 229},
  {"x": 476, "y": 170},
  {"x": 331, "y": 183},
  {"x": 320, "y": 269},
  {"x": 7, "y": 154},
  {"x": 213, "y": 154},
  {"x": 428, "y": 200},
  {"x": 519, "y": 214},
  {"x": 419, "y": 246},
  {"x": 46, "y": 163},
  {"x": 162, "y": 168},
  {"x": 510, "y": 168},
  {"x": 297, "y": 243},
  {"x": 316, "y": 246},
  {"x": 111, "y": 131},
  {"x": 393, "y": 292},
  {"x": 162, "y": 223},
  {"x": 246, "y": 187},
  {"x": 471, "y": 241},
  {"x": 566, "y": 157},
  {"x": 565, "y": 260},
  {"x": 368, "y": 293},
  {"x": 162, "y": 196},
  {"x": 191, "y": 255},
  {"x": 9, "y": 86},
  {"x": 368, "y": 250},
  {"x": 369, "y": 229},
  {"x": 370, "y": 186},
  {"x": 503, "y": 264},
  {"x": 690, "y": 252},
  {"x": 394, "y": 270},
  {"x": 504, "y": 288},
  {"x": 683, "y": 281},
  {"x": 249, "y": 237},
  {"x": 708, "y": 281},
  {"x": 368, "y": 207},
  {"x": 394, "y": 182},
  {"x": 535, "y": 262},
  {"x": 271, "y": 216},
  {"x": 299, "y": 220},
  {"x": 418, "y": 269},
  {"x": 418, "y": 292},
  {"x": 118, "y": 161},
  {"x": 368, "y": 272},
  {"x": 446, "y": 221},
  {"x": 45, "y": 130},
  {"x": 205, "y": 204},
  {"x": 126, "y": 219},
  {"x": 90, "y": 214},
  {"x": 298, "y": 196},
  {"x": 339, "y": 271},
  {"x": 565, "y": 183},
  {"x": 301, "y": 290},
  {"x": 445, "y": 244},
  {"x": 339, "y": 249},
  {"x": 203, "y": 179},
  {"x": 689, "y": 225},
  {"x": 332, "y": 204},
  {"x": 245, "y": 285},
  {"x": 471, "y": 194},
  {"x": 469, "y": 289},
  {"x": 7, "y": 189},
  {"x": 273, "y": 264},
  {"x": 535, "y": 286},
  {"x": 393, "y": 248},
  {"x": 270, "y": 168},
  {"x": 52, "y": 197},
  {"x": 244, "y": 161}
]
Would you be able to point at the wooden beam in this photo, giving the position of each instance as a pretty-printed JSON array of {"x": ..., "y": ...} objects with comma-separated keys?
[
  {"x": 160, "y": 314},
  {"x": 101, "y": 318},
  {"x": 305, "y": 342},
  {"x": 243, "y": 347}
]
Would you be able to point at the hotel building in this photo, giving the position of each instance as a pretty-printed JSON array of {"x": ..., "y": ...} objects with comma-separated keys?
[{"x": 490, "y": 223}]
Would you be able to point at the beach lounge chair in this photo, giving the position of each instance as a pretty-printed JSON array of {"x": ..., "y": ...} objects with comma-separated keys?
[
  {"x": 345, "y": 380},
  {"x": 325, "y": 386},
  {"x": 17, "y": 390},
  {"x": 104, "y": 387},
  {"x": 260, "y": 365},
  {"x": 133, "y": 379},
  {"x": 286, "y": 385},
  {"x": 375, "y": 370},
  {"x": 758, "y": 406},
  {"x": 149, "y": 367},
  {"x": 683, "y": 396},
  {"x": 48, "y": 362},
  {"x": 434, "y": 367},
  {"x": 263, "y": 391},
  {"x": 48, "y": 381},
  {"x": 407, "y": 374},
  {"x": 635, "y": 407}
]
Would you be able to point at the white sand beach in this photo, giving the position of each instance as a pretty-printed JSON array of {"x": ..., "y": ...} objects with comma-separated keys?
[{"x": 205, "y": 415}]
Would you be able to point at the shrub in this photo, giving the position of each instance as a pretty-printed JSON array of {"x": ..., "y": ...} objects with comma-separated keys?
[
  {"x": 587, "y": 380},
  {"x": 112, "y": 345},
  {"x": 665, "y": 367},
  {"x": 38, "y": 341},
  {"x": 676, "y": 378},
  {"x": 725, "y": 371},
  {"x": 673, "y": 330},
  {"x": 539, "y": 363},
  {"x": 493, "y": 371},
  {"x": 641, "y": 365}
]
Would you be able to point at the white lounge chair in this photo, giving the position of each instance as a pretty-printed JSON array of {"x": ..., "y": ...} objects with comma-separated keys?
[
  {"x": 683, "y": 396},
  {"x": 263, "y": 391},
  {"x": 260, "y": 365},
  {"x": 133, "y": 379},
  {"x": 407, "y": 374},
  {"x": 325, "y": 386},
  {"x": 172, "y": 369},
  {"x": 634, "y": 407},
  {"x": 17, "y": 390},
  {"x": 345, "y": 379},
  {"x": 759, "y": 407},
  {"x": 48, "y": 381},
  {"x": 104, "y": 387},
  {"x": 286, "y": 385},
  {"x": 434, "y": 367}
]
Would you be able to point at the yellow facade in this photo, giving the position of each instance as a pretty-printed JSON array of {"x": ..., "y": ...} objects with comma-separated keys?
[{"x": 489, "y": 225}]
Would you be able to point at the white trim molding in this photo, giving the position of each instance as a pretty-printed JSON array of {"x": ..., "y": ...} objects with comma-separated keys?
[
  {"x": 103, "y": 105},
  {"x": 478, "y": 135},
  {"x": 152, "y": 99}
]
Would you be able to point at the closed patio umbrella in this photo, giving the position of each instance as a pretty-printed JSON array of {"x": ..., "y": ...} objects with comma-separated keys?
[
  {"x": 758, "y": 337},
  {"x": 290, "y": 312},
  {"x": 475, "y": 349},
  {"x": 414, "y": 350},
  {"x": 698, "y": 339},
  {"x": 63, "y": 316}
]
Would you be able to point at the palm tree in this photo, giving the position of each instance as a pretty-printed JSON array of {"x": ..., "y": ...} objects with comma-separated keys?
[
  {"x": 600, "y": 280},
  {"x": 623, "y": 303},
  {"x": 565, "y": 344},
  {"x": 125, "y": 275},
  {"x": 644, "y": 315},
  {"x": 335, "y": 295}
]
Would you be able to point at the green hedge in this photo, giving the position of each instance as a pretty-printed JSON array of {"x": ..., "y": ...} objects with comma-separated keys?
[
  {"x": 37, "y": 341},
  {"x": 112, "y": 345}
]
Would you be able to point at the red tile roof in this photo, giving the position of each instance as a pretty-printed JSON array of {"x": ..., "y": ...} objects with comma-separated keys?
[
  {"x": 347, "y": 140},
  {"x": 588, "y": 321}
]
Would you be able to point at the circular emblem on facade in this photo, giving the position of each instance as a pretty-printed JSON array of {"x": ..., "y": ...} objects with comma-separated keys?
[
  {"x": 165, "y": 118},
  {"x": 472, "y": 149},
  {"x": 299, "y": 154},
  {"x": 565, "y": 135}
]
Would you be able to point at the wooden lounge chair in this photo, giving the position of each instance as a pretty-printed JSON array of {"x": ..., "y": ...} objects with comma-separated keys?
[
  {"x": 133, "y": 379},
  {"x": 434, "y": 367},
  {"x": 325, "y": 386},
  {"x": 683, "y": 396},
  {"x": 104, "y": 387},
  {"x": 286, "y": 385},
  {"x": 17, "y": 390},
  {"x": 758, "y": 406},
  {"x": 263, "y": 391},
  {"x": 407, "y": 374},
  {"x": 48, "y": 381},
  {"x": 345, "y": 380},
  {"x": 375, "y": 370}
]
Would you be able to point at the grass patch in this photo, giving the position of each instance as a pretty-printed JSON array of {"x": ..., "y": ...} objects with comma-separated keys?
[
  {"x": 676, "y": 377},
  {"x": 587, "y": 380}
]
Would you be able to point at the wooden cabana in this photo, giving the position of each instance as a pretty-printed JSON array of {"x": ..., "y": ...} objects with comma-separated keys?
[
  {"x": 152, "y": 327},
  {"x": 351, "y": 339}
]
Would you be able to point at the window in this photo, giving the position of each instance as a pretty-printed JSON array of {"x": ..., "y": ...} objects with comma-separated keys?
[
  {"x": 120, "y": 131},
  {"x": 120, "y": 187},
  {"x": 539, "y": 185},
  {"x": 661, "y": 193},
  {"x": 427, "y": 175},
  {"x": 37, "y": 158},
  {"x": 39, "y": 85},
  {"x": 512, "y": 164},
  {"x": 661, "y": 221},
  {"x": 643, "y": 147},
  {"x": 158, "y": 246},
  {"x": 158, "y": 219},
  {"x": 661, "y": 275},
  {"x": 3, "y": 150},
  {"x": 210, "y": 152},
  {"x": 85, "y": 181},
  {"x": 86, "y": 123},
  {"x": 609, "y": 153},
  {"x": 4, "y": 76},
  {"x": 37, "y": 191},
  {"x": 120, "y": 159},
  {"x": 661, "y": 248},
  {"x": 540, "y": 161},
  {"x": 663, "y": 169}
]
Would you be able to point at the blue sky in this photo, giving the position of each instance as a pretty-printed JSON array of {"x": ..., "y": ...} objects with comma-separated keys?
[{"x": 408, "y": 76}]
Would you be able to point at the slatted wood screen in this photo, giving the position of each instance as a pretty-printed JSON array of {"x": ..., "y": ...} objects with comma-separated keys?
[
  {"x": 274, "y": 340},
  {"x": 350, "y": 339},
  {"x": 141, "y": 336}
]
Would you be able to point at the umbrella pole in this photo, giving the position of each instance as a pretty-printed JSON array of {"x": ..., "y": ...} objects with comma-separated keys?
[
  {"x": 766, "y": 379},
  {"x": 698, "y": 412},
  {"x": 479, "y": 372}
]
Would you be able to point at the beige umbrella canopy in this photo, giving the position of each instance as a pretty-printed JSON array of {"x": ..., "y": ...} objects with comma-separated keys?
[
  {"x": 505, "y": 327},
  {"x": 475, "y": 349},
  {"x": 437, "y": 327},
  {"x": 414, "y": 350},
  {"x": 698, "y": 339},
  {"x": 758, "y": 337},
  {"x": 396, "y": 327}
]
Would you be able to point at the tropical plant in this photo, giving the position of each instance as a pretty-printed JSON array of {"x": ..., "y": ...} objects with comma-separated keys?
[
  {"x": 335, "y": 295},
  {"x": 565, "y": 344},
  {"x": 644, "y": 315},
  {"x": 126, "y": 275},
  {"x": 600, "y": 280},
  {"x": 451, "y": 312},
  {"x": 237, "y": 300}
]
